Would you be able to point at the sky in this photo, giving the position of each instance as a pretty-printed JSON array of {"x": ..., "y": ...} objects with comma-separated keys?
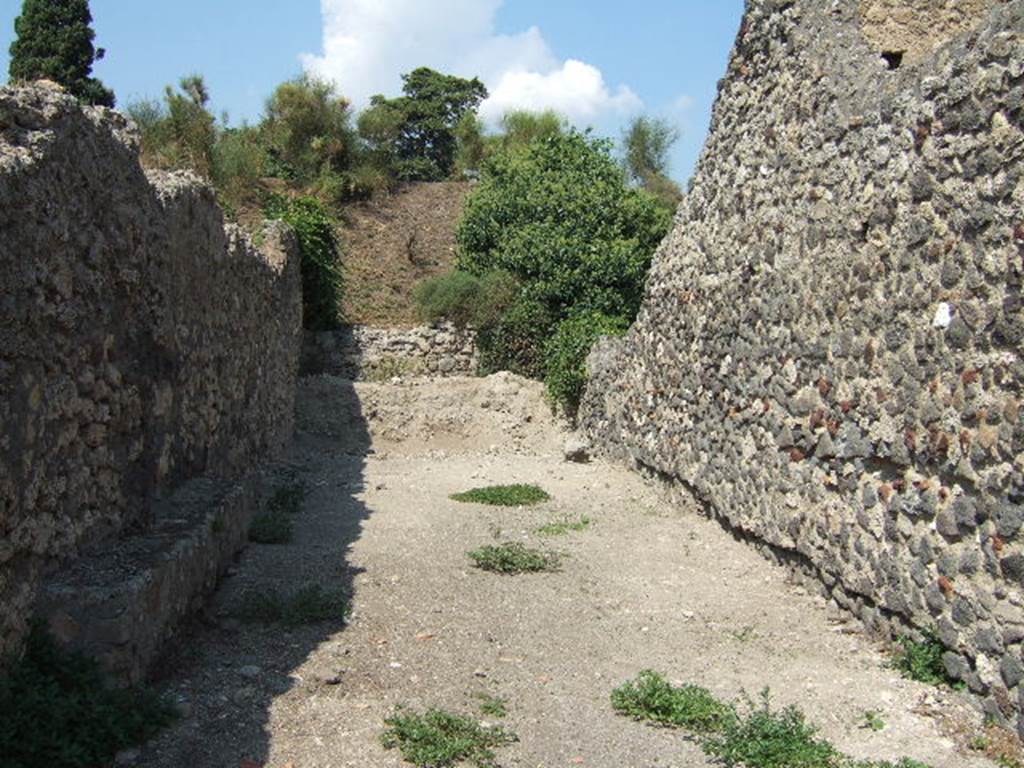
[{"x": 599, "y": 62}]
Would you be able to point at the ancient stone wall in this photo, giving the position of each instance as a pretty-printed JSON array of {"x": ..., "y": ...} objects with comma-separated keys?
[
  {"x": 829, "y": 352},
  {"x": 361, "y": 352},
  {"x": 142, "y": 341}
]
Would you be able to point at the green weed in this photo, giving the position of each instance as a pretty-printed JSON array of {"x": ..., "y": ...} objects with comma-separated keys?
[
  {"x": 288, "y": 497},
  {"x": 766, "y": 738},
  {"x": 310, "y": 604},
  {"x": 921, "y": 660},
  {"x": 437, "y": 738},
  {"x": 504, "y": 496},
  {"x": 271, "y": 527},
  {"x": 651, "y": 697},
  {"x": 492, "y": 706},
  {"x": 512, "y": 558},
  {"x": 59, "y": 710},
  {"x": 873, "y": 721},
  {"x": 564, "y": 527}
]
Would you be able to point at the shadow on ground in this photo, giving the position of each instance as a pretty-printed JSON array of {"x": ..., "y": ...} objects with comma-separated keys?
[{"x": 227, "y": 672}]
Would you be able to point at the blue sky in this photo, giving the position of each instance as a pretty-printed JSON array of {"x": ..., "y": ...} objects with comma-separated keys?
[{"x": 598, "y": 61}]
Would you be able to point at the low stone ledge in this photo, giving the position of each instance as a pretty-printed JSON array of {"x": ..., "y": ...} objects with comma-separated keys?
[{"x": 119, "y": 604}]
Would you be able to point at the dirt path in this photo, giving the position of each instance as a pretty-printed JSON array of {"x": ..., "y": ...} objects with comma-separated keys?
[{"x": 647, "y": 585}]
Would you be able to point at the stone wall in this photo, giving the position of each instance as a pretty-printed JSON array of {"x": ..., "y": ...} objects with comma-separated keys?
[
  {"x": 361, "y": 352},
  {"x": 829, "y": 352},
  {"x": 142, "y": 341}
]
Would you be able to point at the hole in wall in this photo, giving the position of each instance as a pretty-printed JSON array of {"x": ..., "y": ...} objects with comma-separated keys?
[{"x": 893, "y": 59}]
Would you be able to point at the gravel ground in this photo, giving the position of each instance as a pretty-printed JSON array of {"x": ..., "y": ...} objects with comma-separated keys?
[{"x": 650, "y": 584}]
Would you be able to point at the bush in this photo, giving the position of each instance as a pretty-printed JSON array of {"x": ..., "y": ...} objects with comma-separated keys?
[
  {"x": 565, "y": 355},
  {"x": 515, "y": 340},
  {"x": 560, "y": 217},
  {"x": 321, "y": 263},
  {"x": 512, "y": 558},
  {"x": 239, "y": 160},
  {"x": 465, "y": 299},
  {"x": 60, "y": 712},
  {"x": 308, "y": 129}
]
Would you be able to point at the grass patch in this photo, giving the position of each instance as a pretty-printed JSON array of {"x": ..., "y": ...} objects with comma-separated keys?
[
  {"x": 437, "y": 738},
  {"x": 564, "y": 527},
  {"x": 513, "y": 557},
  {"x": 59, "y": 711},
  {"x": 504, "y": 496},
  {"x": 492, "y": 706},
  {"x": 651, "y": 697},
  {"x": 310, "y": 604},
  {"x": 747, "y": 736},
  {"x": 921, "y": 660}
]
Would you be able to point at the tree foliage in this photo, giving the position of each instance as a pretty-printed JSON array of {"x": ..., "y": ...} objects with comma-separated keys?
[
  {"x": 560, "y": 217},
  {"x": 55, "y": 42},
  {"x": 646, "y": 143},
  {"x": 416, "y": 132},
  {"x": 308, "y": 128}
]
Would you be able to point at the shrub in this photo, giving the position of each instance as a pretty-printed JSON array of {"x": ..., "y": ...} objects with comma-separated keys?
[
  {"x": 60, "y": 712},
  {"x": 271, "y": 527},
  {"x": 565, "y": 355},
  {"x": 513, "y": 558},
  {"x": 308, "y": 129},
  {"x": 321, "y": 263},
  {"x": 436, "y": 739},
  {"x": 239, "y": 161},
  {"x": 651, "y": 697},
  {"x": 465, "y": 299},
  {"x": 515, "y": 340}
]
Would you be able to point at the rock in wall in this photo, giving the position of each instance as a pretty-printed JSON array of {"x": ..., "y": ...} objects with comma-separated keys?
[
  {"x": 829, "y": 352},
  {"x": 142, "y": 340}
]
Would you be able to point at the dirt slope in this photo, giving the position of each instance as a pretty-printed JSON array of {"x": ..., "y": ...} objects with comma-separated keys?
[
  {"x": 648, "y": 585},
  {"x": 393, "y": 243}
]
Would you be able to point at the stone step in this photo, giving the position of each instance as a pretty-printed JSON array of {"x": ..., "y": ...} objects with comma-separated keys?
[{"x": 120, "y": 603}]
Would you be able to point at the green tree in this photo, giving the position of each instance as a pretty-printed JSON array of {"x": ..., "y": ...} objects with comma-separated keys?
[
  {"x": 646, "y": 143},
  {"x": 308, "y": 129},
  {"x": 55, "y": 42},
  {"x": 560, "y": 217},
  {"x": 190, "y": 126},
  {"x": 416, "y": 132}
]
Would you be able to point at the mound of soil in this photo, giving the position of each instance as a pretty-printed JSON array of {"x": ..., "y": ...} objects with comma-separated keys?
[{"x": 393, "y": 243}]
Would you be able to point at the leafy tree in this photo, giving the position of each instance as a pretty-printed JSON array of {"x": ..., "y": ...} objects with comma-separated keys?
[
  {"x": 647, "y": 142},
  {"x": 522, "y": 128},
  {"x": 560, "y": 217},
  {"x": 54, "y": 41},
  {"x": 190, "y": 126},
  {"x": 308, "y": 129},
  {"x": 416, "y": 132}
]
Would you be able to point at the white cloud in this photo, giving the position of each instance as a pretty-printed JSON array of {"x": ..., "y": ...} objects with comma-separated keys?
[
  {"x": 682, "y": 104},
  {"x": 368, "y": 44}
]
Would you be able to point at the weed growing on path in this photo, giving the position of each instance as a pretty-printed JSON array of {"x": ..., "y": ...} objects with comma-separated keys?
[
  {"x": 766, "y": 738},
  {"x": 274, "y": 524},
  {"x": 873, "y": 721},
  {"x": 308, "y": 605},
  {"x": 921, "y": 660},
  {"x": 513, "y": 557},
  {"x": 271, "y": 527},
  {"x": 564, "y": 527},
  {"x": 651, "y": 697},
  {"x": 492, "y": 706},
  {"x": 59, "y": 710},
  {"x": 437, "y": 739},
  {"x": 747, "y": 736},
  {"x": 504, "y": 496}
]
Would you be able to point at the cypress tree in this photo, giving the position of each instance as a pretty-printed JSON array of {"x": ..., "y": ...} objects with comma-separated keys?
[{"x": 54, "y": 41}]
